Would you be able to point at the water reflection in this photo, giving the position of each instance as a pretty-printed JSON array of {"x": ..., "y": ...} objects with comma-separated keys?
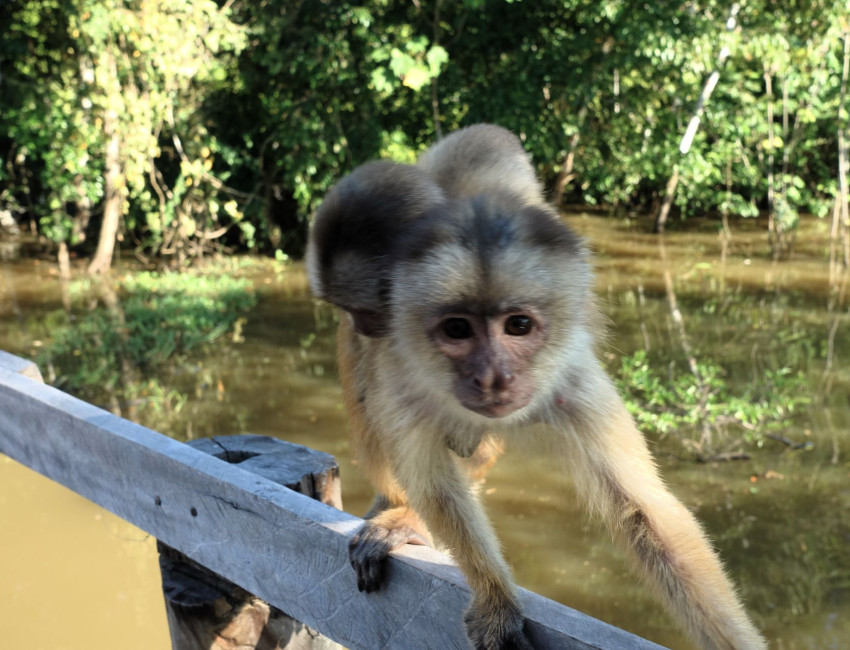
[{"x": 781, "y": 519}]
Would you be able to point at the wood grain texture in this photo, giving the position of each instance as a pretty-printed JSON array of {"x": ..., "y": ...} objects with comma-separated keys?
[
  {"x": 207, "y": 612},
  {"x": 281, "y": 546},
  {"x": 21, "y": 366},
  {"x": 307, "y": 471}
]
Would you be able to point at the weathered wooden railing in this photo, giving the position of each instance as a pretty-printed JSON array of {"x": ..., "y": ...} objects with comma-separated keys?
[{"x": 238, "y": 520}]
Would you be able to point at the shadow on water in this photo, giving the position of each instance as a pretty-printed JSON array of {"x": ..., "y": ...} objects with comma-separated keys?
[{"x": 780, "y": 519}]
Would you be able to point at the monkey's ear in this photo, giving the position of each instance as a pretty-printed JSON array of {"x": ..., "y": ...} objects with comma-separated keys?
[
  {"x": 352, "y": 247},
  {"x": 369, "y": 323}
]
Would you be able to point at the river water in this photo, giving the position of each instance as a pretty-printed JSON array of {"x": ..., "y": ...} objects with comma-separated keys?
[{"x": 76, "y": 577}]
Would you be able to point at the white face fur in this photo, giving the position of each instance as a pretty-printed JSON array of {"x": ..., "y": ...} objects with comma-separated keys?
[{"x": 552, "y": 291}]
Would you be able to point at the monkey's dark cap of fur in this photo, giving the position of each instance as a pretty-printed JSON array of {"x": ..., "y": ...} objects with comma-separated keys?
[{"x": 484, "y": 224}]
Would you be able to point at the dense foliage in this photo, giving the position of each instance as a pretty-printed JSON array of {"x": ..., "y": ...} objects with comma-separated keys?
[{"x": 231, "y": 119}]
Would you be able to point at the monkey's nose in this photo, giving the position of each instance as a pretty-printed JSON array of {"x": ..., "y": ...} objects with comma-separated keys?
[{"x": 493, "y": 380}]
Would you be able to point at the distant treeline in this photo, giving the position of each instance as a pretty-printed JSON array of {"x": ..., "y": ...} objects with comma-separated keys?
[{"x": 181, "y": 127}]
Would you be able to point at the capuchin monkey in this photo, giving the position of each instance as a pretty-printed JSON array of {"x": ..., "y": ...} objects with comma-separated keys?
[{"x": 469, "y": 322}]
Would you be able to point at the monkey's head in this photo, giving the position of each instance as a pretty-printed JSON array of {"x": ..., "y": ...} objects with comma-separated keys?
[
  {"x": 485, "y": 294},
  {"x": 479, "y": 296}
]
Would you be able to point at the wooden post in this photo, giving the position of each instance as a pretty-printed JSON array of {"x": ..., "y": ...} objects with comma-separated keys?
[{"x": 207, "y": 612}]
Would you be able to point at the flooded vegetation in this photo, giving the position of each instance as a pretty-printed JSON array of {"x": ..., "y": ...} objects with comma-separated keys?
[
  {"x": 731, "y": 351},
  {"x": 713, "y": 314}
]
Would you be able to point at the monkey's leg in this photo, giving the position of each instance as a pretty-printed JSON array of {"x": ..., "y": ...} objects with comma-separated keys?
[
  {"x": 617, "y": 477},
  {"x": 386, "y": 529}
]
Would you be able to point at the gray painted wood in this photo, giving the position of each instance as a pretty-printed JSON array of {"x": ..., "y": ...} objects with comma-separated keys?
[
  {"x": 21, "y": 366},
  {"x": 207, "y": 612},
  {"x": 284, "y": 547},
  {"x": 307, "y": 471}
]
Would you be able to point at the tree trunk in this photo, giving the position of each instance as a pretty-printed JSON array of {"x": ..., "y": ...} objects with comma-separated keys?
[
  {"x": 435, "y": 92},
  {"x": 726, "y": 235},
  {"x": 83, "y": 213},
  {"x": 774, "y": 229},
  {"x": 693, "y": 124},
  {"x": 843, "y": 197},
  {"x": 566, "y": 174},
  {"x": 705, "y": 442},
  {"x": 64, "y": 259},
  {"x": 666, "y": 204},
  {"x": 113, "y": 190}
]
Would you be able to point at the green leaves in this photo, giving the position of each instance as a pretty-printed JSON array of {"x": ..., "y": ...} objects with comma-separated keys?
[
  {"x": 671, "y": 400},
  {"x": 285, "y": 98},
  {"x": 144, "y": 68},
  {"x": 414, "y": 67},
  {"x": 436, "y": 57},
  {"x": 162, "y": 316}
]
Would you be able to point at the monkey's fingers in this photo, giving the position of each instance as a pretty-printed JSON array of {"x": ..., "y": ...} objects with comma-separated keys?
[
  {"x": 496, "y": 629},
  {"x": 369, "y": 548},
  {"x": 368, "y": 564}
]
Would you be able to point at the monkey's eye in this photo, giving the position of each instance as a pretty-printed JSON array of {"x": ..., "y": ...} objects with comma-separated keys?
[
  {"x": 518, "y": 325},
  {"x": 457, "y": 328}
]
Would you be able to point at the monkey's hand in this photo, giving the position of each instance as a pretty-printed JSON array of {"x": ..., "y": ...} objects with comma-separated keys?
[
  {"x": 496, "y": 629},
  {"x": 369, "y": 548}
]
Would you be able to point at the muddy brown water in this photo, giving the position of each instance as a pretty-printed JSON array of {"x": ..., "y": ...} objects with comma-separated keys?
[{"x": 75, "y": 577}]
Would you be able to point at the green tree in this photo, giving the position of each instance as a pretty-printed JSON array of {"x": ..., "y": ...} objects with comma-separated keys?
[
  {"x": 96, "y": 103},
  {"x": 237, "y": 133}
]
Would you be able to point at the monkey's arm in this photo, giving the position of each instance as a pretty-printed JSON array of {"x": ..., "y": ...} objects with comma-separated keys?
[
  {"x": 617, "y": 477},
  {"x": 440, "y": 491}
]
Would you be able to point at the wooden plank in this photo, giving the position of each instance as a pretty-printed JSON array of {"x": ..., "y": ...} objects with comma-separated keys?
[
  {"x": 307, "y": 471},
  {"x": 21, "y": 366},
  {"x": 207, "y": 612},
  {"x": 284, "y": 547}
]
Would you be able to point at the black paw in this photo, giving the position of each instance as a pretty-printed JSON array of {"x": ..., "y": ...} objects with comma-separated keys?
[
  {"x": 369, "y": 548},
  {"x": 496, "y": 630}
]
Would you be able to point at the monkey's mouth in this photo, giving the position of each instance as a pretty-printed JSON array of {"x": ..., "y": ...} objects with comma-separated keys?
[{"x": 495, "y": 409}]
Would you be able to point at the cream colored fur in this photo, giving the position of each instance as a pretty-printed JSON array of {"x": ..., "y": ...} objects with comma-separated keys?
[{"x": 425, "y": 452}]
